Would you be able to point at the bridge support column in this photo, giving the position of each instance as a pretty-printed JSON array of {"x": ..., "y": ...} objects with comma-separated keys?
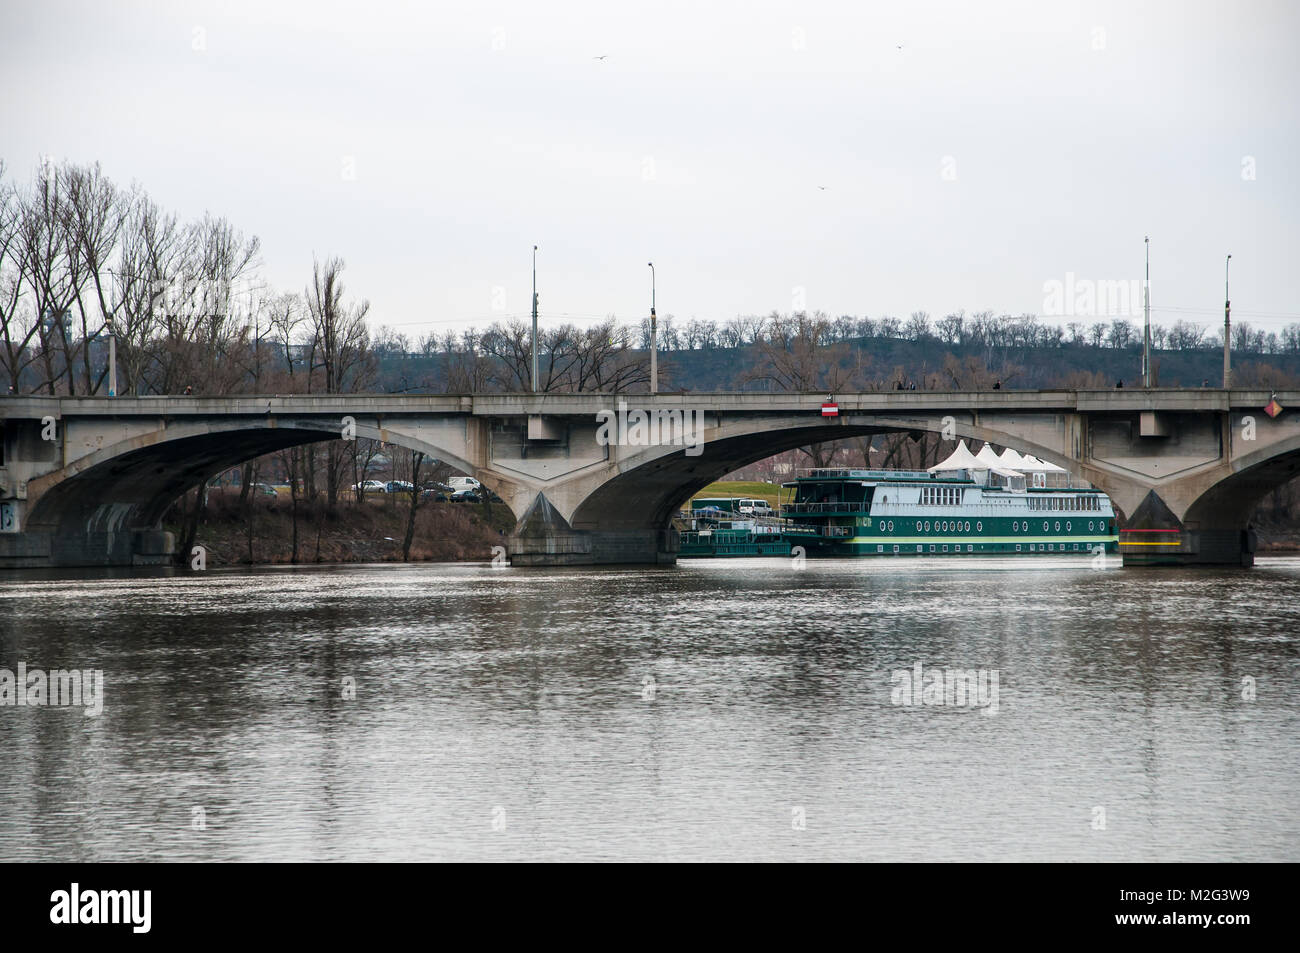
[
  {"x": 1153, "y": 536},
  {"x": 43, "y": 550},
  {"x": 544, "y": 538}
]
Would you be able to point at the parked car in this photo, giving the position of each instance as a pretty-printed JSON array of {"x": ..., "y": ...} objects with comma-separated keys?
[
  {"x": 263, "y": 489},
  {"x": 438, "y": 492},
  {"x": 756, "y": 508},
  {"x": 398, "y": 486},
  {"x": 464, "y": 489},
  {"x": 368, "y": 486}
]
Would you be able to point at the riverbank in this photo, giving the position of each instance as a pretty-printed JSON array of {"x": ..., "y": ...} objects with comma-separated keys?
[{"x": 262, "y": 531}]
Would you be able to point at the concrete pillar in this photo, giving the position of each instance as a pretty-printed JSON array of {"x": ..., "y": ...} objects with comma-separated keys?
[
  {"x": 1153, "y": 536},
  {"x": 544, "y": 538}
]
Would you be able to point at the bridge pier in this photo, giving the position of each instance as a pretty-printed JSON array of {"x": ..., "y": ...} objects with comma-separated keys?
[
  {"x": 544, "y": 538},
  {"x": 1153, "y": 536},
  {"x": 1192, "y": 547},
  {"x": 48, "y": 550}
]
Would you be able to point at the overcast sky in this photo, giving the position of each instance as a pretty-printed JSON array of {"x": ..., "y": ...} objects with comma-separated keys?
[{"x": 1002, "y": 147}]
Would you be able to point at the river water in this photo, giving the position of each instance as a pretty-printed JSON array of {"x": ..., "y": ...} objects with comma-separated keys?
[{"x": 721, "y": 709}]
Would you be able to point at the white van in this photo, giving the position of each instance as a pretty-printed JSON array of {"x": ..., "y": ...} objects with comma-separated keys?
[
  {"x": 756, "y": 508},
  {"x": 465, "y": 489}
]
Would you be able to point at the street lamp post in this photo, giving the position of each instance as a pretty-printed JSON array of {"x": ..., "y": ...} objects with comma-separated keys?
[
  {"x": 654, "y": 336},
  {"x": 1227, "y": 327},
  {"x": 534, "y": 319},
  {"x": 112, "y": 365},
  {"x": 1146, "y": 328}
]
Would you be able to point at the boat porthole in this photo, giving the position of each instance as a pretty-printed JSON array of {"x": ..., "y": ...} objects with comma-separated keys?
[
  {"x": 1046, "y": 526},
  {"x": 1067, "y": 526},
  {"x": 1015, "y": 527},
  {"x": 979, "y": 526}
]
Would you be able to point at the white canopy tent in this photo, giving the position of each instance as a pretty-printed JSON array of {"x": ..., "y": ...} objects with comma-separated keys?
[
  {"x": 1042, "y": 473},
  {"x": 988, "y": 457},
  {"x": 1011, "y": 460},
  {"x": 959, "y": 459}
]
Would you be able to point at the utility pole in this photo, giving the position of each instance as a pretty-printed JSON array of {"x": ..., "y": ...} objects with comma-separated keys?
[
  {"x": 534, "y": 319},
  {"x": 112, "y": 365},
  {"x": 654, "y": 336},
  {"x": 257, "y": 346},
  {"x": 1227, "y": 327},
  {"x": 1146, "y": 329}
]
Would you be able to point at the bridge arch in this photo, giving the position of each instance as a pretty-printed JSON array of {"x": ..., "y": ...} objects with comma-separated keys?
[
  {"x": 128, "y": 486},
  {"x": 1229, "y": 502},
  {"x": 654, "y": 482}
]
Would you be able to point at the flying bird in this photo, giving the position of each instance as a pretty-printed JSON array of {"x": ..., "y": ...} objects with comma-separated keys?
[
  {"x": 822, "y": 188},
  {"x": 600, "y": 57}
]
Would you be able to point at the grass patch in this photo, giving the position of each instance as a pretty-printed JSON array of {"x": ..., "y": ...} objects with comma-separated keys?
[{"x": 746, "y": 489}]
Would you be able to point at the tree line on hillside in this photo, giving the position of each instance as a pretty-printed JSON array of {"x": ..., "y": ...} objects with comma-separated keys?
[{"x": 83, "y": 259}]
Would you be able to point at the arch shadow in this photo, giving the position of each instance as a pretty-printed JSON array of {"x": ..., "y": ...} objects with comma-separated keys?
[
  {"x": 647, "y": 493},
  {"x": 130, "y": 485}
]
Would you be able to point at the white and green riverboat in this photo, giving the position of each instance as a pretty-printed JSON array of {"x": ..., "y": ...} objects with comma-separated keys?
[{"x": 975, "y": 511}]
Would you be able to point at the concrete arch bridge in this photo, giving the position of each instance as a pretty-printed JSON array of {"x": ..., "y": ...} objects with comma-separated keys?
[{"x": 86, "y": 481}]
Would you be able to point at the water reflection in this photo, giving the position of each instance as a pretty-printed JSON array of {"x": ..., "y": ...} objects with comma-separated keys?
[{"x": 656, "y": 714}]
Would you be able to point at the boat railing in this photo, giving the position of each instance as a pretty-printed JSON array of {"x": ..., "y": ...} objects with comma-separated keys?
[{"x": 845, "y": 507}]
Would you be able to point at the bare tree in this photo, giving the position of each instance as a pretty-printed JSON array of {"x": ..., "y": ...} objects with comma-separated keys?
[
  {"x": 796, "y": 353},
  {"x": 416, "y": 461},
  {"x": 341, "y": 341},
  {"x": 18, "y": 326}
]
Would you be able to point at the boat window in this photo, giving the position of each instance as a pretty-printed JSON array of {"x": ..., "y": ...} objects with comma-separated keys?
[{"x": 1046, "y": 526}]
